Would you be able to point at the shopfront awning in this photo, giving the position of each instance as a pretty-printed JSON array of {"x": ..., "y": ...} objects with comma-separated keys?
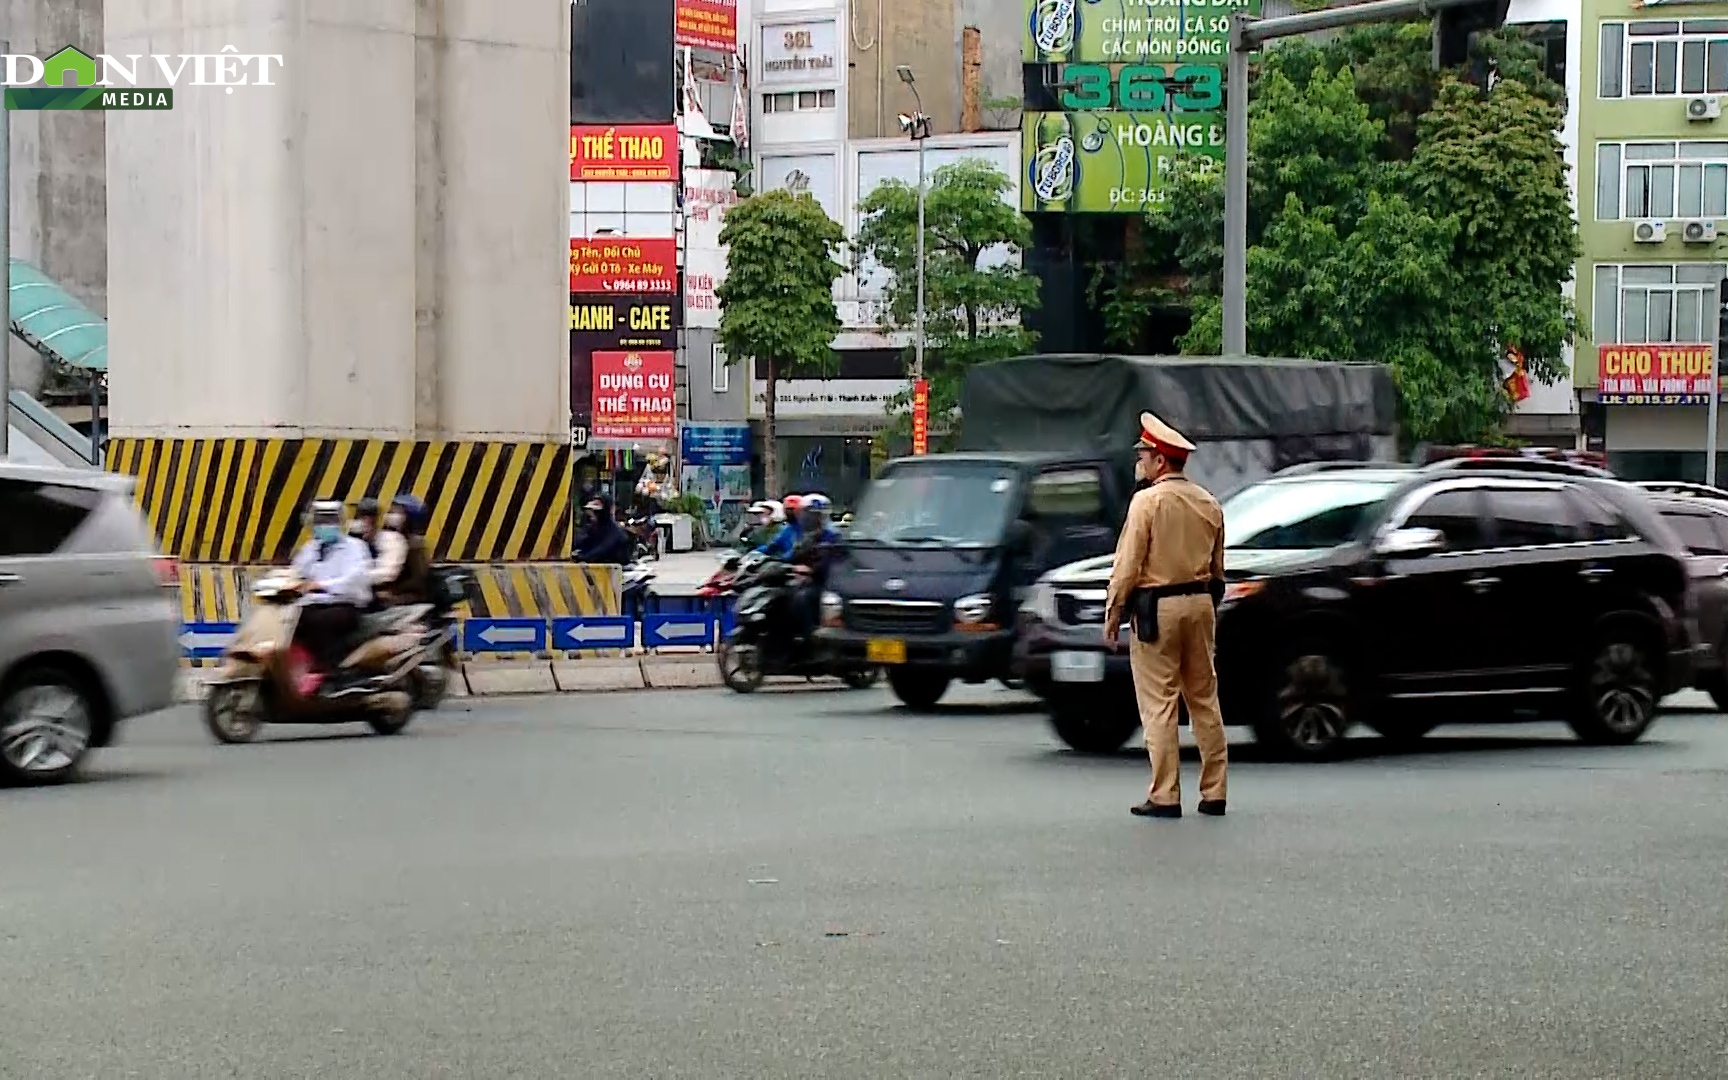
[{"x": 55, "y": 324}]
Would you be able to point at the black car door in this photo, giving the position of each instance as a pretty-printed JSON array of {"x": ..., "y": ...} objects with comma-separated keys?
[
  {"x": 1424, "y": 612},
  {"x": 1540, "y": 599},
  {"x": 1704, "y": 531}
]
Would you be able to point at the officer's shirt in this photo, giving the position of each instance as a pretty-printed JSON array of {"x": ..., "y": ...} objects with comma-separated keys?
[{"x": 1174, "y": 534}]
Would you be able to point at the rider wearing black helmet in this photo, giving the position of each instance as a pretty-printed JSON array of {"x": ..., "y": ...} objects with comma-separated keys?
[{"x": 365, "y": 523}]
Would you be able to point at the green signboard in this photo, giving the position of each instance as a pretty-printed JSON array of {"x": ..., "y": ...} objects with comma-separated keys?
[
  {"x": 1141, "y": 87},
  {"x": 1108, "y": 162},
  {"x": 1128, "y": 31}
]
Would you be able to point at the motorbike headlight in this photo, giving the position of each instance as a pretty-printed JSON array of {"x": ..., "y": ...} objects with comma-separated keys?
[
  {"x": 972, "y": 610},
  {"x": 1040, "y": 603},
  {"x": 832, "y": 608}
]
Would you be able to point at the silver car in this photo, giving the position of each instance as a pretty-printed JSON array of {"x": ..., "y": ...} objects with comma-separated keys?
[{"x": 89, "y": 618}]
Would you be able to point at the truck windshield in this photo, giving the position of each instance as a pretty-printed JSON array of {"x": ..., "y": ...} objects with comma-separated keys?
[
  {"x": 1300, "y": 515},
  {"x": 954, "y": 504}
]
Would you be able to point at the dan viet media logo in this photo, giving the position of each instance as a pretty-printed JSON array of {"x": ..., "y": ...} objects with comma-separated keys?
[{"x": 73, "y": 79}]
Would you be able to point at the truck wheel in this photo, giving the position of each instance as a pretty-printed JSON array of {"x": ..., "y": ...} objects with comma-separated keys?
[
  {"x": 918, "y": 690},
  {"x": 1094, "y": 730}
]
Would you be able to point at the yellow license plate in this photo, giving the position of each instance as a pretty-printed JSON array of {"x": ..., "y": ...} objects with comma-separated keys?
[{"x": 885, "y": 651}]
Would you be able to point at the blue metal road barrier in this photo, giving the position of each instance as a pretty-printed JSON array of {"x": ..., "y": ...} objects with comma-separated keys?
[
  {"x": 659, "y": 631},
  {"x": 593, "y": 632},
  {"x": 205, "y": 641},
  {"x": 503, "y": 635}
]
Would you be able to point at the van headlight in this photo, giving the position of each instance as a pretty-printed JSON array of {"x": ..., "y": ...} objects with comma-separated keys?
[
  {"x": 832, "y": 608},
  {"x": 973, "y": 611},
  {"x": 1040, "y": 603}
]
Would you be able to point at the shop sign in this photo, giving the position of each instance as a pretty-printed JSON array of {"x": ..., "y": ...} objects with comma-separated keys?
[
  {"x": 800, "y": 53},
  {"x": 1654, "y": 374},
  {"x": 1127, "y": 31},
  {"x": 633, "y": 394},
  {"x": 706, "y": 24},
  {"x": 618, "y": 264},
  {"x": 714, "y": 444},
  {"x": 603, "y": 152},
  {"x": 1109, "y": 162}
]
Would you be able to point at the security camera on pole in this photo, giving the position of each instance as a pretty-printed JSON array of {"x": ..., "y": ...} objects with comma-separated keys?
[{"x": 917, "y": 127}]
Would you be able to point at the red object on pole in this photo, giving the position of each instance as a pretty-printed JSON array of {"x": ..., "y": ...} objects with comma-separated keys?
[{"x": 921, "y": 417}]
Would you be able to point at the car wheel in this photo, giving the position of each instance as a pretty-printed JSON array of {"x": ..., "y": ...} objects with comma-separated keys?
[
  {"x": 1619, "y": 695},
  {"x": 234, "y": 713},
  {"x": 1094, "y": 727},
  {"x": 1309, "y": 712},
  {"x": 918, "y": 690},
  {"x": 740, "y": 666},
  {"x": 46, "y": 719}
]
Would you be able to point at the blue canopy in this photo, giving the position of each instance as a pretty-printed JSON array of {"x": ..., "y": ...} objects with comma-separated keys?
[{"x": 53, "y": 323}]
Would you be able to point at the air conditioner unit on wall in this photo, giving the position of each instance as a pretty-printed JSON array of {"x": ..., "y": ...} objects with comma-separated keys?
[
  {"x": 1698, "y": 232},
  {"x": 1649, "y": 232},
  {"x": 1703, "y": 108}
]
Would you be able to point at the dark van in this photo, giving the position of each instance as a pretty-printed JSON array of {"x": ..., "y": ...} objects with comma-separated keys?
[{"x": 941, "y": 549}]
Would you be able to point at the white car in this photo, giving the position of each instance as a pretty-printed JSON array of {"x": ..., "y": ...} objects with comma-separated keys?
[{"x": 89, "y": 618}]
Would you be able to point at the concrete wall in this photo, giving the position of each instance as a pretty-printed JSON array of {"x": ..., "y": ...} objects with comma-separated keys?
[
  {"x": 926, "y": 35},
  {"x": 372, "y": 248},
  {"x": 59, "y": 199}
]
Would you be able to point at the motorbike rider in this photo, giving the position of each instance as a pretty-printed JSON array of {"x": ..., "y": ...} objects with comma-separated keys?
[
  {"x": 365, "y": 523},
  {"x": 813, "y": 554},
  {"x": 602, "y": 539},
  {"x": 401, "y": 572},
  {"x": 764, "y": 521},
  {"x": 336, "y": 567},
  {"x": 785, "y": 539}
]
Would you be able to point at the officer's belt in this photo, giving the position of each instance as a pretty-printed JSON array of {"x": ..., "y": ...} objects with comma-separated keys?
[{"x": 1143, "y": 603}]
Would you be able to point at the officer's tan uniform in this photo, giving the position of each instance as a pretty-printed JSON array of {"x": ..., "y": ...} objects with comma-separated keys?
[{"x": 1174, "y": 535}]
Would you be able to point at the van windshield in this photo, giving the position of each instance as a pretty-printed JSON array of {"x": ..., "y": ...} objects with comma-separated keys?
[
  {"x": 1301, "y": 515},
  {"x": 952, "y": 503}
]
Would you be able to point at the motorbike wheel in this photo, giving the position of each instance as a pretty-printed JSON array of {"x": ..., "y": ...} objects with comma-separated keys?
[
  {"x": 234, "y": 713},
  {"x": 740, "y": 666},
  {"x": 428, "y": 685},
  {"x": 861, "y": 678},
  {"x": 393, "y": 716}
]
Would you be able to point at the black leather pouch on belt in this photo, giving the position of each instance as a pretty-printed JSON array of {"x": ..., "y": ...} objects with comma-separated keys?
[{"x": 1145, "y": 605}]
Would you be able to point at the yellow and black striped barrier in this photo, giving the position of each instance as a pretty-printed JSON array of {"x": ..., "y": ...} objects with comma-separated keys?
[
  {"x": 243, "y": 500},
  {"x": 222, "y": 593}
]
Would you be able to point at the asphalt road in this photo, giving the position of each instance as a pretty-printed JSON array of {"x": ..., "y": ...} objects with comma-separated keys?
[{"x": 816, "y": 884}]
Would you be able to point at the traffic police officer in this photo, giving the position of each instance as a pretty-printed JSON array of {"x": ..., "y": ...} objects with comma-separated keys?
[{"x": 1168, "y": 578}]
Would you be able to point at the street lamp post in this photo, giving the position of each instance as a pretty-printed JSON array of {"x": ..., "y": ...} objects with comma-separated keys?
[{"x": 917, "y": 126}]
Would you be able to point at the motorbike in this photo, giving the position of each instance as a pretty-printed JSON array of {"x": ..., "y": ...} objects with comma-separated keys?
[
  {"x": 451, "y": 587},
  {"x": 633, "y": 599},
  {"x": 267, "y": 677},
  {"x": 763, "y": 642},
  {"x": 645, "y": 537}
]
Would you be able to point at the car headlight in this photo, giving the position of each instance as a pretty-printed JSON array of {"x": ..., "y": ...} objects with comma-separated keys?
[
  {"x": 1241, "y": 590},
  {"x": 972, "y": 610},
  {"x": 1040, "y": 603},
  {"x": 832, "y": 607}
]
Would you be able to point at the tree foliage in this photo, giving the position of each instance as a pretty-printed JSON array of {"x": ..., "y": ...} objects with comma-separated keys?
[
  {"x": 777, "y": 302},
  {"x": 1395, "y": 214},
  {"x": 971, "y": 310}
]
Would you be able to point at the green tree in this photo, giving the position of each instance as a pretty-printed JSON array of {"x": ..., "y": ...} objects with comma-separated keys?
[
  {"x": 777, "y": 302},
  {"x": 1432, "y": 234},
  {"x": 971, "y": 310}
]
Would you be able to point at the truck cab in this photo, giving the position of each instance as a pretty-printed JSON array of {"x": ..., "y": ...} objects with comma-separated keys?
[{"x": 941, "y": 550}]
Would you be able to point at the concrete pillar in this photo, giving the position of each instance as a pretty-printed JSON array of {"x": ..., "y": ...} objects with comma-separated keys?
[{"x": 367, "y": 258}]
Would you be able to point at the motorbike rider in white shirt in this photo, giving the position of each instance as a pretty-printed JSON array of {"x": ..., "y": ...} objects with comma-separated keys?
[{"x": 337, "y": 568}]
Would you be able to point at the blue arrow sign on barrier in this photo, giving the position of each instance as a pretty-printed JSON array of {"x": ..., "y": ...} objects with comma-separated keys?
[
  {"x": 659, "y": 630},
  {"x": 504, "y": 635},
  {"x": 593, "y": 632},
  {"x": 204, "y": 641}
]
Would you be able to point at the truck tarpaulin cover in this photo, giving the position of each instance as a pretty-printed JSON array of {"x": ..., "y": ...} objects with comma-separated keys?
[{"x": 1075, "y": 402}]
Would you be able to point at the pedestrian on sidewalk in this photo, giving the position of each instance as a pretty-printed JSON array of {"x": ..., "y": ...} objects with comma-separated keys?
[{"x": 1169, "y": 579}]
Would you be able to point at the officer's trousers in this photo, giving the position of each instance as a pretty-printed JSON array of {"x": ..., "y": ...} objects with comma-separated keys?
[{"x": 1177, "y": 667}]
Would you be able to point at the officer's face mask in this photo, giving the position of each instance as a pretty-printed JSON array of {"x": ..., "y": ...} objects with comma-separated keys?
[
  {"x": 395, "y": 521},
  {"x": 327, "y": 533}
]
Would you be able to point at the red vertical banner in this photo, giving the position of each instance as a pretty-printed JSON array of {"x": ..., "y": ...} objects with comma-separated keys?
[{"x": 921, "y": 417}]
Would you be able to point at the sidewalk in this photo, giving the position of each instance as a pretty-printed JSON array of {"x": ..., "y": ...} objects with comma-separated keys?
[{"x": 682, "y": 573}]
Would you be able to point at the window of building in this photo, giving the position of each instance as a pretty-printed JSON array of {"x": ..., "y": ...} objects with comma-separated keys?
[
  {"x": 1661, "y": 180},
  {"x": 798, "y": 101},
  {"x": 1664, "y": 58},
  {"x": 720, "y": 372},
  {"x": 1639, "y": 304}
]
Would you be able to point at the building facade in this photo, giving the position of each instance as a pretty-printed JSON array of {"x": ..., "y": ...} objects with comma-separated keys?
[{"x": 1654, "y": 178}]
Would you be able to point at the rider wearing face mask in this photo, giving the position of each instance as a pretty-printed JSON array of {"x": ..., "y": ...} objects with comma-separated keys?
[
  {"x": 335, "y": 566},
  {"x": 400, "y": 570}
]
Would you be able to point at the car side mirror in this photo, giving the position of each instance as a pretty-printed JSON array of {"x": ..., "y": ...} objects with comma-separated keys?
[{"x": 1410, "y": 542}]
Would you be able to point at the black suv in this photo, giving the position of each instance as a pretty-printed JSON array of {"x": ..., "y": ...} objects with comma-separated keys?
[{"x": 1405, "y": 598}]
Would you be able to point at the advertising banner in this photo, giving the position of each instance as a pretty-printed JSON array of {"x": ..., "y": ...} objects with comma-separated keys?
[
  {"x": 708, "y": 194},
  {"x": 706, "y": 24},
  {"x": 714, "y": 444},
  {"x": 1125, "y": 31},
  {"x": 1654, "y": 374},
  {"x": 624, "y": 152},
  {"x": 601, "y": 323},
  {"x": 618, "y": 264},
  {"x": 633, "y": 395},
  {"x": 1108, "y": 162},
  {"x": 921, "y": 417}
]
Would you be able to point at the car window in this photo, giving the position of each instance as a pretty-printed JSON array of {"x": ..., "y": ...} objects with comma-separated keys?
[
  {"x": 1599, "y": 521},
  {"x": 1454, "y": 514},
  {"x": 1531, "y": 517},
  {"x": 1697, "y": 531},
  {"x": 36, "y": 518},
  {"x": 1067, "y": 493},
  {"x": 1299, "y": 515}
]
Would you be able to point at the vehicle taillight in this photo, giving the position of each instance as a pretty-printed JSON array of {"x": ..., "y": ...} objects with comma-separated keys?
[{"x": 167, "y": 572}]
